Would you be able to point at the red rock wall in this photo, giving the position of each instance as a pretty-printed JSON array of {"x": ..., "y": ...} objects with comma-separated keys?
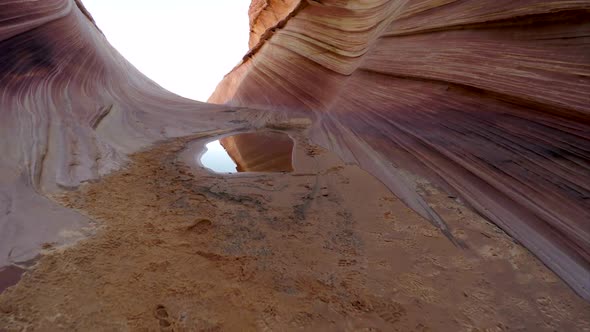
[
  {"x": 71, "y": 109},
  {"x": 489, "y": 99},
  {"x": 267, "y": 14}
]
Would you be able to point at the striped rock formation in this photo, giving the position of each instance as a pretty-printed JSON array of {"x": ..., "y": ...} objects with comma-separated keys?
[
  {"x": 72, "y": 109},
  {"x": 489, "y": 99}
]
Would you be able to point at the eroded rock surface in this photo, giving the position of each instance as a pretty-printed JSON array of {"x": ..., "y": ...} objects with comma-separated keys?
[
  {"x": 72, "y": 109},
  {"x": 489, "y": 99}
]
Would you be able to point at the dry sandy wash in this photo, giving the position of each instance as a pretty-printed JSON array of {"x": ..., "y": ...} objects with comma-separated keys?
[{"x": 440, "y": 177}]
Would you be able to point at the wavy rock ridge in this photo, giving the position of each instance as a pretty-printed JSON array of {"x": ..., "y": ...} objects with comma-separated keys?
[
  {"x": 72, "y": 109},
  {"x": 489, "y": 99}
]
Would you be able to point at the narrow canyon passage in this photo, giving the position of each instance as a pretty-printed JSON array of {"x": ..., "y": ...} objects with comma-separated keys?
[{"x": 326, "y": 247}]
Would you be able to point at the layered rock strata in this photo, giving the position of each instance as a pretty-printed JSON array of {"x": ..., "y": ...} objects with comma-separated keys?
[
  {"x": 491, "y": 100},
  {"x": 71, "y": 110},
  {"x": 488, "y": 99}
]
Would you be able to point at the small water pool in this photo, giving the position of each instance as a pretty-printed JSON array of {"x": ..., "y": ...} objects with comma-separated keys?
[
  {"x": 10, "y": 275},
  {"x": 250, "y": 152},
  {"x": 217, "y": 159}
]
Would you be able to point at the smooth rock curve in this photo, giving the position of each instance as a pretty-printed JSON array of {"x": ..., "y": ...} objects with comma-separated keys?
[{"x": 491, "y": 100}]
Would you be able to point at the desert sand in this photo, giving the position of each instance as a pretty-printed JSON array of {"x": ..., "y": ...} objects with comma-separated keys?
[{"x": 325, "y": 247}]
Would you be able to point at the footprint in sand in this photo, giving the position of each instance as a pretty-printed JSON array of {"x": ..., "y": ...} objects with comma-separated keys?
[
  {"x": 346, "y": 262},
  {"x": 391, "y": 312},
  {"x": 200, "y": 226},
  {"x": 162, "y": 315}
]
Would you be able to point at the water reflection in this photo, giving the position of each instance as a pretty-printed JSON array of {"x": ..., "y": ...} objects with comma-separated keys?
[
  {"x": 10, "y": 275},
  {"x": 217, "y": 159},
  {"x": 250, "y": 152}
]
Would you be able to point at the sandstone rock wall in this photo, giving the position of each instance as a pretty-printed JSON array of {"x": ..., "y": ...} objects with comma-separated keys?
[
  {"x": 267, "y": 14},
  {"x": 489, "y": 99},
  {"x": 71, "y": 109}
]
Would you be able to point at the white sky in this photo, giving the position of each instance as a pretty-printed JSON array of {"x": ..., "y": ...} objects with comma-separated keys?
[{"x": 186, "y": 46}]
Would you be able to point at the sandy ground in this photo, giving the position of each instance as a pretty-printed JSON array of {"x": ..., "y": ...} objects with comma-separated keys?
[{"x": 326, "y": 247}]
